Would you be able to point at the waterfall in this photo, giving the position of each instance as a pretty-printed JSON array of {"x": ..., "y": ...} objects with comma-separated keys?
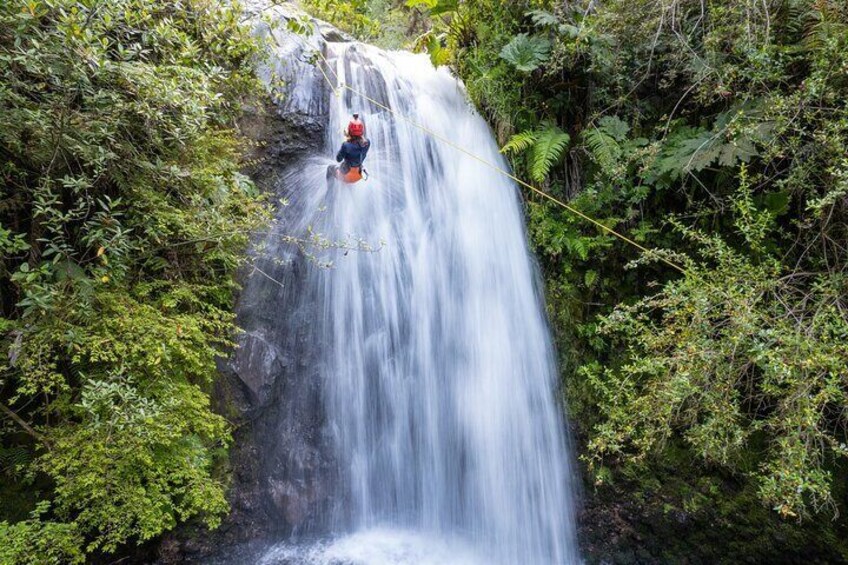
[{"x": 422, "y": 321}]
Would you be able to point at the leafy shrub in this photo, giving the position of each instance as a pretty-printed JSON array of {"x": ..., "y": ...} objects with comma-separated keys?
[
  {"x": 723, "y": 358},
  {"x": 124, "y": 219},
  {"x": 350, "y": 16},
  {"x": 666, "y": 104},
  {"x": 36, "y": 542}
]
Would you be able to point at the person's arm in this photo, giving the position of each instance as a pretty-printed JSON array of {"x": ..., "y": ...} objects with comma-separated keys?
[
  {"x": 341, "y": 154},
  {"x": 365, "y": 147}
]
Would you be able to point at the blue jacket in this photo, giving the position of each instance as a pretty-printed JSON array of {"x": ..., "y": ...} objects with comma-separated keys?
[{"x": 353, "y": 153}]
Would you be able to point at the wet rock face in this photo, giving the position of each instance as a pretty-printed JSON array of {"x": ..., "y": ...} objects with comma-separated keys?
[
  {"x": 279, "y": 462},
  {"x": 279, "y": 139},
  {"x": 260, "y": 362},
  {"x": 279, "y": 469}
]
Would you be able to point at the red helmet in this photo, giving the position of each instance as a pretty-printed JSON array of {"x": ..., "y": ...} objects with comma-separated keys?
[{"x": 356, "y": 128}]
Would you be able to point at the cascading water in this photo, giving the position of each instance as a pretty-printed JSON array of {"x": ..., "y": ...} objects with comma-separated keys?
[{"x": 437, "y": 377}]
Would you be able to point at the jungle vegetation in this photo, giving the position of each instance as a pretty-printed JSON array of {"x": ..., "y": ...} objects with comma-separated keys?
[
  {"x": 713, "y": 132},
  {"x": 122, "y": 220}
]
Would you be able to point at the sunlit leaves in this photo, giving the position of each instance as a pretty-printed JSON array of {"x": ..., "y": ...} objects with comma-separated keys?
[
  {"x": 42, "y": 542},
  {"x": 434, "y": 7},
  {"x": 720, "y": 355},
  {"x": 348, "y": 15},
  {"x": 124, "y": 217}
]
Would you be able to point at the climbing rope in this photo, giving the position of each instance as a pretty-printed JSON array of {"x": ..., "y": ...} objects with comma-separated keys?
[{"x": 337, "y": 90}]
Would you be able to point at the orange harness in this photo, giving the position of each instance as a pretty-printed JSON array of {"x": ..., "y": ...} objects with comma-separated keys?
[{"x": 354, "y": 174}]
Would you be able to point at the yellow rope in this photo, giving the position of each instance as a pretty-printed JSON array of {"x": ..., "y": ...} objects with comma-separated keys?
[{"x": 337, "y": 92}]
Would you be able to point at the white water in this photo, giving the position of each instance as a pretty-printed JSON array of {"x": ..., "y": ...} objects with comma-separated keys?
[{"x": 438, "y": 375}]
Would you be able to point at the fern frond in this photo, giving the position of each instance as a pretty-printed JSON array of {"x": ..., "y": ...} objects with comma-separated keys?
[
  {"x": 604, "y": 141},
  {"x": 520, "y": 142},
  {"x": 14, "y": 459},
  {"x": 603, "y": 149},
  {"x": 548, "y": 149},
  {"x": 543, "y": 18}
]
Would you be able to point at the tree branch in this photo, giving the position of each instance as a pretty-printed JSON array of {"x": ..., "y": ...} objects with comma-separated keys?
[{"x": 22, "y": 423}]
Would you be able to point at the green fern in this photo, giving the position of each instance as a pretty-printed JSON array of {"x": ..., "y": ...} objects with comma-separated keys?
[
  {"x": 548, "y": 149},
  {"x": 543, "y": 18},
  {"x": 544, "y": 146},
  {"x": 520, "y": 142},
  {"x": 14, "y": 459},
  {"x": 820, "y": 24},
  {"x": 604, "y": 141}
]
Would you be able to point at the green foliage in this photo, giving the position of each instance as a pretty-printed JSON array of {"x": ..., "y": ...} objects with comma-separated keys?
[
  {"x": 737, "y": 367},
  {"x": 14, "y": 459},
  {"x": 434, "y": 7},
  {"x": 720, "y": 358},
  {"x": 546, "y": 151},
  {"x": 391, "y": 24},
  {"x": 608, "y": 143},
  {"x": 139, "y": 464},
  {"x": 521, "y": 142},
  {"x": 348, "y": 15},
  {"x": 124, "y": 218},
  {"x": 37, "y": 542},
  {"x": 433, "y": 44},
  {"x": 544, "y": 147},
  {"x": 544, "y": 19},
  {"x": 734, "y": 139},
  {"x": 526, "y": 53}
]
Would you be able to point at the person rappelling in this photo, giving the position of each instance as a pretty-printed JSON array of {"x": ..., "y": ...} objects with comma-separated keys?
[{"x": 351, "y": 155}]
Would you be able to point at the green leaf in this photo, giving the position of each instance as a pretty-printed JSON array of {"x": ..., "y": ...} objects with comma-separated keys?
[
  {"x": 548, "y": 149},
  {"x": 435, "y": 7},
  {"x": 526, "y": 53},
  {"x": 444, "y": 7},
  {"x": 543, "y": 18},
  {"x": 604, "y": 141},
  {"x": 439, "y": 55},
  {"x": 777, "y": 202},
  {"x": 520, "y": 142},
  {"x": 69, "y": 270}
]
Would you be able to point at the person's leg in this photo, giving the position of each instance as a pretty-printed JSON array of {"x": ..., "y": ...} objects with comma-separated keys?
[{"x": 331, "y": 175}]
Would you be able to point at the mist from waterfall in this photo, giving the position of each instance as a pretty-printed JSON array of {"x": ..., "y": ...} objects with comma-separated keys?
[{"x": 438, "y": 383}]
